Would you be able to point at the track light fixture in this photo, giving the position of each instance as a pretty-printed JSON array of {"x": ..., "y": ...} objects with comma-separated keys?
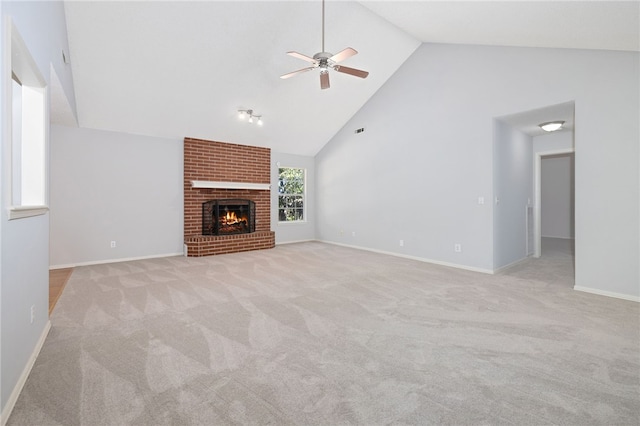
[{"x": 248, "y": 113}]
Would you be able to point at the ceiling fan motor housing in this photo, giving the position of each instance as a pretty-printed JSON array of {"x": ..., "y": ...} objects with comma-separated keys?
[
  {"x": 322, "y": 55},
  {"x": 323, "y": 61}
]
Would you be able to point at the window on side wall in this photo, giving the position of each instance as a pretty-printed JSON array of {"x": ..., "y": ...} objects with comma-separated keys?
[
  {"x": 291, "y": 194},
  {"x": 28, "y": 135}
]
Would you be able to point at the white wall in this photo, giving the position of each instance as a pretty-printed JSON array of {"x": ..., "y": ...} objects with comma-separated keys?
[
  {"x": 513, "y": 193},
  {"x": 554, "y": 141},
  {"x": 557, "y": 196},
  {"x": 108, "y": 186},
  {"x": 24, "y": 245},
  {"x": 426, "y": 156},
  {"x": 298, "y": 231}
]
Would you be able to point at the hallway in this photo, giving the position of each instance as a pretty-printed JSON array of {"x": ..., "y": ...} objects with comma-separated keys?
[{"x": 555, "y": 266}]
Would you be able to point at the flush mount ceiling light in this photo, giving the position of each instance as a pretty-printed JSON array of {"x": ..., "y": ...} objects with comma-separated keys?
[
  {"x": 248, "y": 113},
  {"x": 551, "y": 126}
]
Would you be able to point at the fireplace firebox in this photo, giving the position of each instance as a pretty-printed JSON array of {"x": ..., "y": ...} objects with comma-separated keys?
[{"x": 227, "y": 217}]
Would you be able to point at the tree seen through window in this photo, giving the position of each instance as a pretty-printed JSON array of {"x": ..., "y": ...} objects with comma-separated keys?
[{"x": 290, "y": 194}]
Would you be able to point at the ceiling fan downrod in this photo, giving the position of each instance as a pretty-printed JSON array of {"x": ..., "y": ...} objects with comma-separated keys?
[{"x": 322, "y": 25}]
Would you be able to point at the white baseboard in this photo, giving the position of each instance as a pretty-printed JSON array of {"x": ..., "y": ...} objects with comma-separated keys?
[
  {"x": 558, "y": 238},
  {"x": 419, "y": 259},
  {"x": 294, "y": 242},
  {"x": 607, "y": 293},
  {"x": 126, "y": 259},
  {"x": 13, "y": 398},
  {"x": 514, "y": 263}
]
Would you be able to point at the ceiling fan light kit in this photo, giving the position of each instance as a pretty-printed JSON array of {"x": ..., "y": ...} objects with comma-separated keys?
[{"x": 326, "y": 61}]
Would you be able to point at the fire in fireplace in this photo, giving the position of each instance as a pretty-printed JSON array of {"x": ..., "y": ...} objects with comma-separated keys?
[{"x": 227, "y": 217}]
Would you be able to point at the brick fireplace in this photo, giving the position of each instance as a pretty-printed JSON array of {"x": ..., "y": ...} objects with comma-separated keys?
[{"x": 223, "y": 171}]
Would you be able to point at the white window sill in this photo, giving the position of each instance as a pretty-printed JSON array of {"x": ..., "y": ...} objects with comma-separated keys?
[
  {"x": 26, "y": 211},
  {"x": 293, "y": 222}
]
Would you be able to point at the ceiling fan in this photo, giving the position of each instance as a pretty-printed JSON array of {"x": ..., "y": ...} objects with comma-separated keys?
[{"x": 325, "y": 61}]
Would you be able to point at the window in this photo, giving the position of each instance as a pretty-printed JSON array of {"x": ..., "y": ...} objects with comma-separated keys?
[
  {"x": 28, "y": 135},
  {"x": 291, "y": 194}
]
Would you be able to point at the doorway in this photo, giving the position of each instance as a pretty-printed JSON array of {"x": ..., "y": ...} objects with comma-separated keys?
[
  {"x": 558, "y": 197},
  {"x": 520, "y": 143}
]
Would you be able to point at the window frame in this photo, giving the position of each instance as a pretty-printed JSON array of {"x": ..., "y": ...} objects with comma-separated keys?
[
  {"x": 21, "y": 68},
  {"x": 303, "y": 195}
]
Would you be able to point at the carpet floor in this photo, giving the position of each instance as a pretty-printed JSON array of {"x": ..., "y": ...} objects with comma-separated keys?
[{"x": 313, "y": 333}]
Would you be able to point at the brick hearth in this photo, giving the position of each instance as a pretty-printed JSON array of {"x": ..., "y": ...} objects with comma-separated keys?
[{"x": 224, "y": 162}]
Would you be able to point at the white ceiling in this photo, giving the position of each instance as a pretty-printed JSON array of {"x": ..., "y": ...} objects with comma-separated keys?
[
  {"x": 176, "y": 69},
  {"x": 610, "y": 25}
]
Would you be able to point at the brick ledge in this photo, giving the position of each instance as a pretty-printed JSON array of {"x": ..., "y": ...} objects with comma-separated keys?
[{"x": 208, "y": 245}]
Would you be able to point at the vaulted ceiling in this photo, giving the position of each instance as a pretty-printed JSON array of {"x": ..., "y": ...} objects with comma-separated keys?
[{"x": 184, "y": 68}]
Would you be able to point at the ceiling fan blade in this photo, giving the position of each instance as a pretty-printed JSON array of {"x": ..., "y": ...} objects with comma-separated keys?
[
  {"x": 351, "y": 71},
  {"x": 291, "y": 74},
  {"x": 324, "y": 80},
  {"x": 343, "y": 54},
  {"x": 301, "y": 56}
]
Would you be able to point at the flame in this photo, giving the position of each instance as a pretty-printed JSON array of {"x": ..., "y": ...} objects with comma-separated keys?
[{"x": 230, "y": 218}]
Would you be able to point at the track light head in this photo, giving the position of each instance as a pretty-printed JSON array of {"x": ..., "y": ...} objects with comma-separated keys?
[{"x": 242, "y": 113}]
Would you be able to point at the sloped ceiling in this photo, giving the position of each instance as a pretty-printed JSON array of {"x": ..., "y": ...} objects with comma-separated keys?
[{"x": 176, "y": 69}]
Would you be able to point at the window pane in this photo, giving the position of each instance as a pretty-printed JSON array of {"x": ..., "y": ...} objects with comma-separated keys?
[
  {"x": 33, "y": 161},
  {"x": 16, "y": 149},
  {"x": 291, "y": 181}
]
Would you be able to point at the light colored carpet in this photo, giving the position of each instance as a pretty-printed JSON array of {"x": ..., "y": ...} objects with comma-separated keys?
[
  {"x": 555, "y": 266},
  {"x": 312, "y": 333}
]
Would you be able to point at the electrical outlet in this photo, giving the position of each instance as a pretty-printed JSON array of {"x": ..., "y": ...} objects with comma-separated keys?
[
  {"x": 113, "y": 244},
  {"x": 33, "y": 313},
  {"x": 401, "y": 243},
  {"x": 353, "y": 233},
  {"x": 457, "y": 248}
]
